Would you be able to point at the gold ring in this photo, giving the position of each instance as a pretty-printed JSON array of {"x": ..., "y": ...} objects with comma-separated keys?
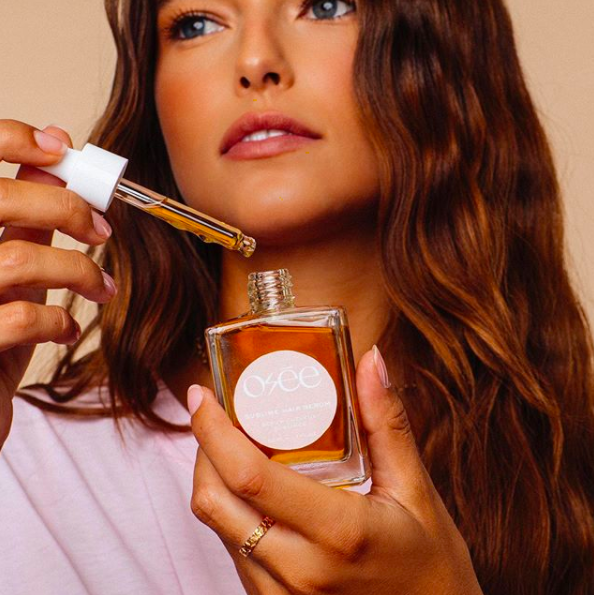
[{"x": 259, "y": 532}]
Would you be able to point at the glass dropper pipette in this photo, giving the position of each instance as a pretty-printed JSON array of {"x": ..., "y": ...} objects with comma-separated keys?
[
  {"x": 96, "y": 175},
  {"x": 183, "y": 217}
]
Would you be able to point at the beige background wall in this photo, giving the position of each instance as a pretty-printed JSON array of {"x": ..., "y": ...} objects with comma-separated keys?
[{"x": 56, "y": 60}]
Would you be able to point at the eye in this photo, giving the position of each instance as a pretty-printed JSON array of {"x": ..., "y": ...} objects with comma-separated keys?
[
  {"x": 190, "y": 26},
  {"x": 326, "y": 9}
]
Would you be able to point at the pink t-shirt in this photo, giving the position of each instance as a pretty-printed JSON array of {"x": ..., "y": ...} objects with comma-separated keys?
[{"x": 82, "y": 513}]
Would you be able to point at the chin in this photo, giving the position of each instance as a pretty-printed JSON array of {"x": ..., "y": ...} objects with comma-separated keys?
[
  {"x": 282, "y": 224},
  {"x": 277, "y": 226},
  {"x": 295, "y": 215}
]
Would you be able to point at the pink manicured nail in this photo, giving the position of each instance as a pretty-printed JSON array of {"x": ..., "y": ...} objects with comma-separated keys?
[
  {"x": 195, "y": 396},
  {"x": 102, "y": 227},
  {"x": 49, "y": 143},
  {"x": 109, "y": 284},
  {"x": 380, "y": 366}
]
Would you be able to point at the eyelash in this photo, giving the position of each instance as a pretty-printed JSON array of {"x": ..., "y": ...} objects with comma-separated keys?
[{"x": 172, "y": 31}]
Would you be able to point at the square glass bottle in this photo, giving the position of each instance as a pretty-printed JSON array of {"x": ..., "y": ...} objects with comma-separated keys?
[{"x": 286, "y": 377}]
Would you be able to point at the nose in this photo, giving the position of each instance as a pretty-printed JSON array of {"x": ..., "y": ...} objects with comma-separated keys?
[
  {"x": 262, "y": 58},
  {"x": 246, "y": 80}
]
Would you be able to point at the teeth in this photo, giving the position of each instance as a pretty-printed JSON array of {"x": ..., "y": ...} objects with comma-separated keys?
[{"x": 263, "y": 135}]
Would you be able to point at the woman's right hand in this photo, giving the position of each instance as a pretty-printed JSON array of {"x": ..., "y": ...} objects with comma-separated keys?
[{"x": 32, "y": 206}]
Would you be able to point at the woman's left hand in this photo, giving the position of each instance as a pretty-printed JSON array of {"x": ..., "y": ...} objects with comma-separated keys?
[{"x": 397, "y": 539}]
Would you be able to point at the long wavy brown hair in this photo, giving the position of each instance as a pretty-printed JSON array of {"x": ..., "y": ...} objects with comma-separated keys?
[{"x": 485, "y": 321}]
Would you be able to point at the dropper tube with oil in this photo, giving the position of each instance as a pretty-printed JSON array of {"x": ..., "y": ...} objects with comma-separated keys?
[
  {"x": 97, "y": 176},
  {"x": 183, "y": 217}
]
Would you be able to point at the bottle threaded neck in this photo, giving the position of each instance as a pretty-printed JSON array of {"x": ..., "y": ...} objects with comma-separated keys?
[{"x": 270, "y": 290}]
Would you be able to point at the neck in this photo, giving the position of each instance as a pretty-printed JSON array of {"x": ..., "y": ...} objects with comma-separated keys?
[
  {"x": 341, "y": 271},
  {"x": 337, "y": 271}
]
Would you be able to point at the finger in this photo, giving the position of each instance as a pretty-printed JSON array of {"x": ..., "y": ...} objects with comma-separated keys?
[
  {"x": 22, "y": 143},
  {"x": 396, "y": 463},
  {"x": 15, "y": 146},
  {"x": 310, "y": 508},
  {"x": 26, "y": 323},
  {"x": 28, "y": 206},
  {"x": 30, "y": 172},
  {"x": 25, "y": 264},
  {"x": 234, "y": 520},
  {"x": 256, "y": 580},
  {"x": 229, "y": 516}
]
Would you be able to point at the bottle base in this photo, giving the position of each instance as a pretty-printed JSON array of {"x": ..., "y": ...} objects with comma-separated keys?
[{"x": 349, "y": 472}]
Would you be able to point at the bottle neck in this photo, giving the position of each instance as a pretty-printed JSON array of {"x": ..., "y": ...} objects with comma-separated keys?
[{"x": 270, "y": 290}]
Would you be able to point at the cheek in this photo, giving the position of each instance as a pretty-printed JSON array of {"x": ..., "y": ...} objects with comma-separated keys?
[
  {"x": 349, "y": 163},
  {"x": 186, "y": 110},
  {"x": 329, "y": 79},
  {"x": 330, "y": 101}
]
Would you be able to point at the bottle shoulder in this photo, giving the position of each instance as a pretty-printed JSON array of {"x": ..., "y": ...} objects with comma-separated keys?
[{"x": 320, "y": 316}]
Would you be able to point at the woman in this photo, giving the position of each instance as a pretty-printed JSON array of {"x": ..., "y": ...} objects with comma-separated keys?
[{"x": 426, "y": 203}]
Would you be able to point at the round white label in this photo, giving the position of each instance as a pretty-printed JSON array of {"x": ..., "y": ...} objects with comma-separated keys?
[{"x": 285, "y": 400}]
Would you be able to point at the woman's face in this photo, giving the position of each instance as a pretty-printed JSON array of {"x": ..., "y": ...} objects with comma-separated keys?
[{"x": 220, "y": 59}]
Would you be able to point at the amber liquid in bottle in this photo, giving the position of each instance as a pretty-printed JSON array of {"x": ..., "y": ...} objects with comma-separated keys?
[{"x": 251, "y": 343}]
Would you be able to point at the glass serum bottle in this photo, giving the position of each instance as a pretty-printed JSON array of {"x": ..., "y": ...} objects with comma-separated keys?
[{"x": 286, "y": 377}]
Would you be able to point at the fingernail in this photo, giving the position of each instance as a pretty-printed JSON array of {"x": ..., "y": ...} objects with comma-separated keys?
[
  {"x": 102, "y": 227},
  {"x": 195, "y": 396},
  {"x": 109, "y": 284},
  {"x": 77, "y": 333},
  {"x": 49, "y": 143},
  {"x": 380, "y": 366}
]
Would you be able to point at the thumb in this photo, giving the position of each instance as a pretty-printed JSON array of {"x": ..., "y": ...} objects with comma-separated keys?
[
  {"x": 396, "y": 464},
  {"x": 32, "y": 174},
  {"x": 59, "y": 133}
]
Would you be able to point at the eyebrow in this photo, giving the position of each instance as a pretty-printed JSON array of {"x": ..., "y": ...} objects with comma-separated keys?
[{"x": 163, "y": 3}]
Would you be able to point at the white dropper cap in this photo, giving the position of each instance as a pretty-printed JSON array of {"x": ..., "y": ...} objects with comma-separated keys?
[{"x": 92, "y": 173}]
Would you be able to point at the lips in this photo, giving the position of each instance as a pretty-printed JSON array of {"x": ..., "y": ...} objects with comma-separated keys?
[{"x": 253, "y": 121}]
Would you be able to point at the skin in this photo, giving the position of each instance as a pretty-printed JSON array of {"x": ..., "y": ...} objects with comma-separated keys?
[
  {"x": 399, "y": 538},
  {"x": 32, "y": 206}
]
